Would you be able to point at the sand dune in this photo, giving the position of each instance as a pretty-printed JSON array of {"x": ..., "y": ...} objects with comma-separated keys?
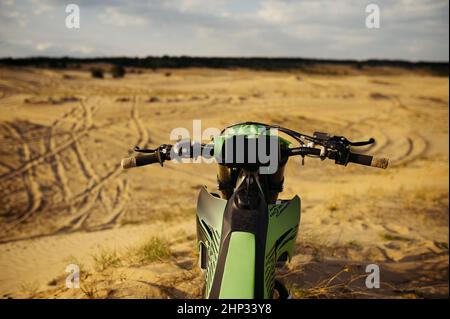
[{"x": 64, "y": 197}]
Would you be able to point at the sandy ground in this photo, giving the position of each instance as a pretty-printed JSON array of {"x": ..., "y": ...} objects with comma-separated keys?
[{"x": 63, "y": 197}]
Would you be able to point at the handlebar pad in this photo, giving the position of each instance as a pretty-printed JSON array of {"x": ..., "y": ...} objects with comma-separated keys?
[
  {"x": 132, "y": 161},
  {"x": 367, "y": 160}
]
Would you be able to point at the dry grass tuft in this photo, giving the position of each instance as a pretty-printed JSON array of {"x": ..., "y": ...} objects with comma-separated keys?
[
  {"x": 329, "y": 288},
  {"x": 155, "y": 249},
  {"x": 105, "y": 259},
  {"x": 29, "y": 289}
]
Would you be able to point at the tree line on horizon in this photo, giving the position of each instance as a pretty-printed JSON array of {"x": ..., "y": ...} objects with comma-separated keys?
[{"x": 255, "y": 63}]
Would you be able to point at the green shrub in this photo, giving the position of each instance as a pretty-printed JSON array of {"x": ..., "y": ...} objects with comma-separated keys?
[
  {"x": 118, "y": 71},
  {"x": 97, "y": 73}
]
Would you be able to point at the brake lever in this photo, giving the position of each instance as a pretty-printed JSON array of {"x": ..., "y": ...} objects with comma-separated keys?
[
  {"x": 362, "y": 143},
  {"x": 325, "y": 138}
]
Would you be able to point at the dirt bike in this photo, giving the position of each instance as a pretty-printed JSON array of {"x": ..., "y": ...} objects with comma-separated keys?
[{"x": 247, "y": 232}]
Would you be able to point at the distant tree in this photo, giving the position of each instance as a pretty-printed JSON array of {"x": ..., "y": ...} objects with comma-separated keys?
[
  {"x": 97, "y": 73},
  {"x": 118, "y": 71}
]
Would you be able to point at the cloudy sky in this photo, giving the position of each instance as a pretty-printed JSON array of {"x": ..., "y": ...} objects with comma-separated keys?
[{"x": 410, "y": 29}]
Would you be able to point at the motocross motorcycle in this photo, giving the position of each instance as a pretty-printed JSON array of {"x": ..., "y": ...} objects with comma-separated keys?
[{"x": 246, "y": 232}]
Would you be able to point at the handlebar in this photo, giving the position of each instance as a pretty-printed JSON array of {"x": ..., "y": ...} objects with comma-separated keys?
[
  {"x": 321, "y": 145},
  {"x": 342, "y": 156}
]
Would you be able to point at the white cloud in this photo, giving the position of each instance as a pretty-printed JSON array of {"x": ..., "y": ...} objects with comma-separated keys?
[
  {"x": 82, "y": 49},
  {"x": 40, "y": 7},
  {"x": 8, "y": 2},
  {"x": 277, "y": 12},
  {"x": 16, "y": 16},
  {"x": 43, "y": 46},
  {"x": 113, "y": 16},
  {"x": 216, "y": 7},
  {"x": 11, "y": 14},
  {"x": 192, "y": 5},
  {"x": 285, "y": 12},
  {"x": 410, "y": 29}
]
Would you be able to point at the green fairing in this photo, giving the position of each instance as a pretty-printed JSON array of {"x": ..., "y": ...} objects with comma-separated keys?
[
  {"x": 210, "y": 211},
  {"x": 238, "y": 279},
  {"x": 247, "y": 130},
  {"x": 284, "y": 219}
]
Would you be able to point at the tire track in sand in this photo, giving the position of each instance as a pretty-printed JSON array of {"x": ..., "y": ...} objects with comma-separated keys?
[
  {"x": 117, "y": 207},
  {"x": 88, "y": 171},
  {"x": 96, "y": 190},
  {"x": 83, "y": 202},
  {"x": 55, "y": 162},
  {"x": 52, "y": 154},
  {"x": 32, "y": 188},
  {"x": 57, "y": 149},
  {"x": 121, "y": 196}
]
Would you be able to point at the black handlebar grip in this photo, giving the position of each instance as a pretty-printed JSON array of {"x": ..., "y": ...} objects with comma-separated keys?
[
  {"x": 367, "y": 160},
  {"x": 132, "y": 161},
  {"x": 128, "y": 162},
  {"x": 380, "y": 162}
]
